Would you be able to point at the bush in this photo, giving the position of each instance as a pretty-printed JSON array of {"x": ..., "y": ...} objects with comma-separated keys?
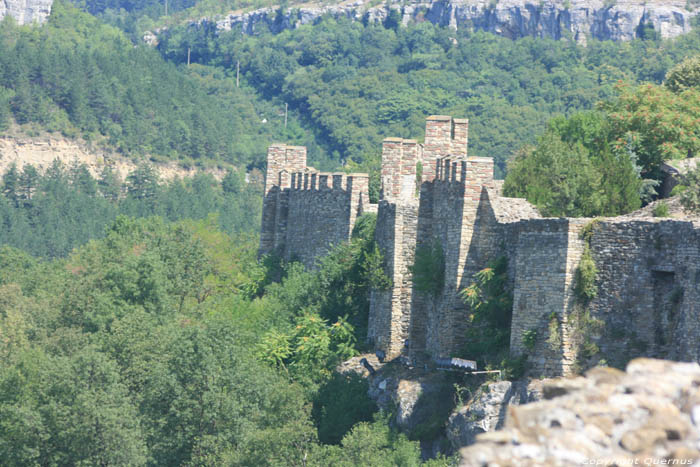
[
  {"x": 530, "y": 339},
  {"x": 690, "y": 194},
  {"x": 339, "y": 405},
  {"x": 554, "y": 339},
  {"x": 661, "y": 209},
  {"x": 586, "y": 274}
]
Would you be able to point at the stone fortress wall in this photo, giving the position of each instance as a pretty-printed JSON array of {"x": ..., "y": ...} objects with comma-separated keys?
[
  {"x": 306, "y": 212},
  {"x": 648, "y": 269}
]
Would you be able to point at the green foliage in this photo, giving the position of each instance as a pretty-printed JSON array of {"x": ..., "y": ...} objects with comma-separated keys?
[
  {"x": 513, "y": 368},
  {"x": 690, "y": 194},
  {"x": 587, "y": 271},
  {"x": 586, "y": 275},
  {"x": 660, "y": 209},
  {"x": 530, "y": 339},
  {"x": 490, "y": 306},
  {"x": 373, "y": 263},
  {"x": 588, "y": 230},
  {"x": 83, "y": 78},
  {"x": 112, "y": 345},
  {"x": 607, "y": 162},
  {"x": 685, "y": 75},
  {"x": 655, "y": 123},
  {"x": 49, "y": 214},
  {"x": 574, "y": 172},
  {"x": 373, "y": 266},
  {"x": 554, "y": 333},
  {"x": 488, "y": 298},
  {"x": 583, "y": 331},
  {"x": 341, "y": 403},
  {"x": 429, "y": 269},
  {"x": 374, "y": 444}
]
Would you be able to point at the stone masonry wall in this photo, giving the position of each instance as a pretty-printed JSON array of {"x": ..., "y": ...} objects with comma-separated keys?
[
  {"x": 647, "y": 292},
  {"x": 305, "y": 212},
  {"x": 648, "y": 285},
  {"x": 391, "y": 311},
  {"x": 540, "y": 278},
  {"x": 465, "y": 227}
]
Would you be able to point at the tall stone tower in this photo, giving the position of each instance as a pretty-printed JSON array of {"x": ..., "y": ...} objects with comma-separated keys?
[{"x": 282, "y": 162}]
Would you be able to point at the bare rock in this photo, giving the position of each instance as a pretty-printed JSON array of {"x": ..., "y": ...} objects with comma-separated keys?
[
  {"x": 486, "y": 411},
  {"x": 26, "y": 11},
  {"x": 577, "y": 20},
  {"x": 648, "y": 415}
]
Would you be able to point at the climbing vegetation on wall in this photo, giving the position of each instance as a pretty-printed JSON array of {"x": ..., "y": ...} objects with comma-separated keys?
[
  {"x": 490, "y": 303},
  {"x": 587, "y": 272},
  {"x": 429, "y": 269}
]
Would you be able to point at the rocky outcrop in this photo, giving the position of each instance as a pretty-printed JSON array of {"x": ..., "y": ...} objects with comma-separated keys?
[
  {"x": 616, "y": 20},
  {"x": 26, "y": 11},
  {"x": 649, "y": 415},
  {"x": 486, "y": 411},
  {"x": 42, "y": 151},
  {"x": 417, "y": 394}
]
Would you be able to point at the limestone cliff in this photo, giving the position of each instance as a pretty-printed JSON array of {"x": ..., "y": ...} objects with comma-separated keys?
[
  {"x": 42, "y": 151},
  {"x": 616, "y": 20},
  {"x": 26, "y": 11}
]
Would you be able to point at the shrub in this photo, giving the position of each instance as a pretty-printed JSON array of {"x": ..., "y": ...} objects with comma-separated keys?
[
  {"x": 339, "y": 404},
  {"x": 530, "y": 339},
  {"x": 554, "y": 339},
  {"x": 661, "y": 209},
  {"x": 586, "y": 274}
]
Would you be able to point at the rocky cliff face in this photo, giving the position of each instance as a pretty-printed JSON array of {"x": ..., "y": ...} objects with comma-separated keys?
[
  {"x": 486, "y": 411},
  {"x": 616, "y": 20},
  {"x": 26, "y": 11},
  {"x": 42, "y": 151}
]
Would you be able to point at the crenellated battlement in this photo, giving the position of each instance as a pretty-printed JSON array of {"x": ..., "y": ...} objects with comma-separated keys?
[{"x": 323, "y": 206}]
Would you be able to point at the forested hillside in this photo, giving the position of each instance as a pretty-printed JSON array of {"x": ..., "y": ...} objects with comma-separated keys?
[
  {"x": 357, "y": 83},
  {"x": 80, "y": 77},
  {"x": 48, "y": 214},
  {"x": 167, "y": 344}
]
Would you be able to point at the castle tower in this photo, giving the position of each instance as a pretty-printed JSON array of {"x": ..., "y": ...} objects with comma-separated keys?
[
  {"x": 444, "y": 136},
  {"x": 396, "y": 233},
  {"x": 449, "y": 208},
  {"x": 282, "y": 161},
  {"x": 306, "y": 212}
]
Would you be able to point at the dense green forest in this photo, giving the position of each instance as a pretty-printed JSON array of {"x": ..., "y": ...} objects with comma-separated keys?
[
  {"x": 168, "y": 344},
  {"x": 48, "y": 214},
  {"x": 355, "y": 83}
]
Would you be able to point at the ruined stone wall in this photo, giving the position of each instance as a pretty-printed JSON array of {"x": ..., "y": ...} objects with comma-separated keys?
[
  {"x": 647, "y": 289},
  {"x": 647, "y": 292}
]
